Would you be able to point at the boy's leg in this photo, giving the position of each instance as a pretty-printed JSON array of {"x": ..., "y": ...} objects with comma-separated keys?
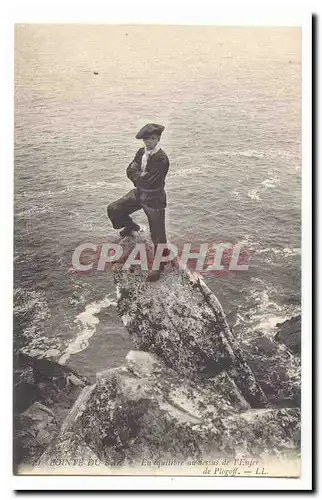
[
  {"x": 156, "y": 218},
  {"x": 119, "y": 211}
]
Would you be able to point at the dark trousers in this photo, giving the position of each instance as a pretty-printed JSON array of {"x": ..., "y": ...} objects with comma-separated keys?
[{"x": 119, "y": 213}]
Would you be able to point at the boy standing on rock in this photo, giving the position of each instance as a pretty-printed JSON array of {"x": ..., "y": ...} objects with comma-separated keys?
[{"x": 147, "y": 171}]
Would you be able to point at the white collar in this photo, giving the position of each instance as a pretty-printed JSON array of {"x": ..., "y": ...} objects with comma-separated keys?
[{"x": 149, "y": 152}]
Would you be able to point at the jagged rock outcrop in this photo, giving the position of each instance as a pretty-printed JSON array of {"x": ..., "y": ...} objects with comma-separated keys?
[
  {"x": 44, "y": 392},
  {"x": 187, "y": 392},
  {"x": 277, "y": 370},
  {"x": 289, "y": 333},
  {"x": 146, "y": 410},
  {"x": 181, "y": 321}
]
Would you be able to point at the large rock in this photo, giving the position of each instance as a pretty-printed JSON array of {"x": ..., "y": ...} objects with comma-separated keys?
[
  {"x": 34, "y": 430},
  {"x": 289, "y": 333},
  {"x": 180, "y": 320},
  {"x": 276, "y": 368},
  {"x": 146, "y": 410},
  {"x": 66, "y": 454},
  {"x": 186, "y": 392},
  {"x": 44, "y": 392}
]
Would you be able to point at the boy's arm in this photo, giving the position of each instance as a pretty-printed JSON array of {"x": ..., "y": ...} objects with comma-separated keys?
[
  {"x": 156, "y": 174},
  {"x": 133, "y": 172},
  {"x": 134, "y": 169}
]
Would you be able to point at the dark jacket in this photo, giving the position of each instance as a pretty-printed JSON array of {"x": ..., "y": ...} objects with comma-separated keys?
[{"x": 150, "y": 186}]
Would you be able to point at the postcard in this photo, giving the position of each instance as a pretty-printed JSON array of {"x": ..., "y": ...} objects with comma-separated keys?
[{"x": 157, "y": 250}]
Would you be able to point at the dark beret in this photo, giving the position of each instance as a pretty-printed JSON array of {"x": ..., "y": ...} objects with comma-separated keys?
[{"x": 149, "y": 129}]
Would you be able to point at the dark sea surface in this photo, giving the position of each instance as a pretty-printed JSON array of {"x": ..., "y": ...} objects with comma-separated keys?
[{"x": 230, "y": 99}]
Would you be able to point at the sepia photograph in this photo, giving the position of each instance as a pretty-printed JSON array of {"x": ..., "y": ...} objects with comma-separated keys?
[{"x": 157, "y": 319}]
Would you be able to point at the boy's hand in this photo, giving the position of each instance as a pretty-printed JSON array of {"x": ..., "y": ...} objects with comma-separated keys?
[
  {"x": 134, "y": 167},
  {"x": 133, "y": 171}
]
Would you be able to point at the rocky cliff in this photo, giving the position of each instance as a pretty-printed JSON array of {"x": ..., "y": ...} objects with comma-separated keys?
[
  {"x": 44, "y": 392},
  {"x": 186, "y": 390}
]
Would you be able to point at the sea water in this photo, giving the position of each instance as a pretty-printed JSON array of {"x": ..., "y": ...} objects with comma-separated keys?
[{"x": 230, "y": 100}]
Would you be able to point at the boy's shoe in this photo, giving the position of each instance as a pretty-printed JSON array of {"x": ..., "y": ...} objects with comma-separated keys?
[
  {"x": 127, "y": 231},
  {"x": 155, "y": 275}
]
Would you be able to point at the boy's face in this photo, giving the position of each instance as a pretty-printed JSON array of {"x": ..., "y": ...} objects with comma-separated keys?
[{"x": 151, "y": 141}]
